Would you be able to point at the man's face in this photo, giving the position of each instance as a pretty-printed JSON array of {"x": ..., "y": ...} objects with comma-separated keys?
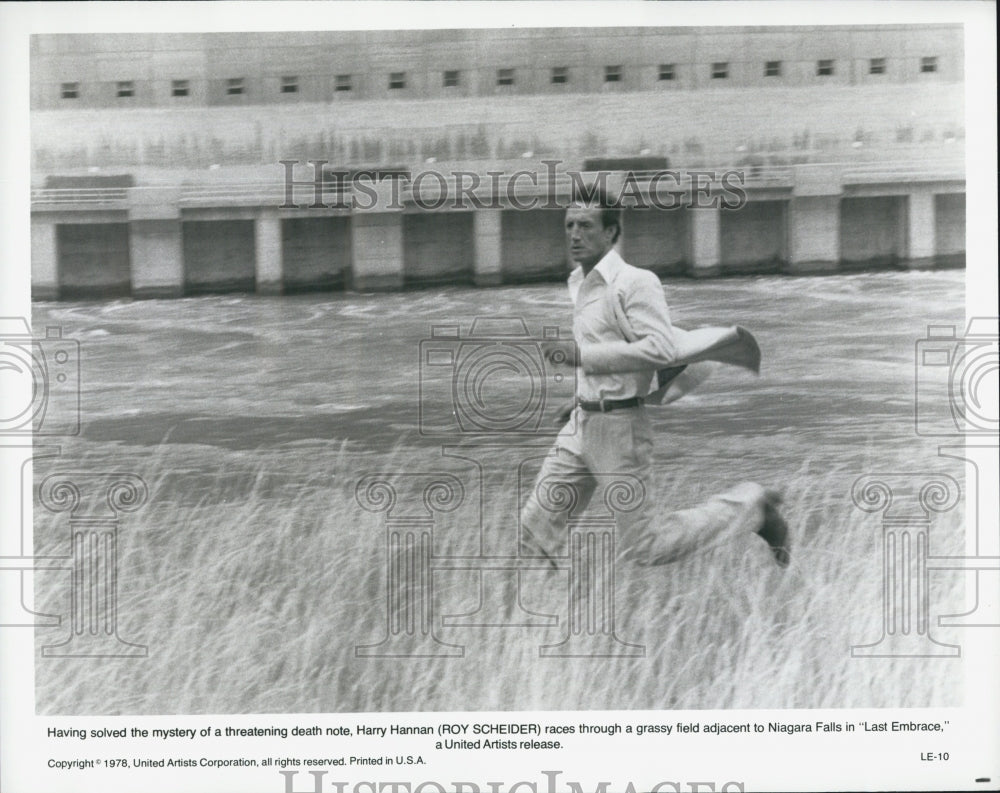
[{"x": 586, "y": 237}]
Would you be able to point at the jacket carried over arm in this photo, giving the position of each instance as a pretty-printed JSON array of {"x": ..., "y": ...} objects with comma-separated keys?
[{"x": 682, "y": 358}]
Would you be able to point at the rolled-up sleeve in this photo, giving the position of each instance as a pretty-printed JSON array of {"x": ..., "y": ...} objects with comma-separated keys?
[{"x": 654, "y": 343}]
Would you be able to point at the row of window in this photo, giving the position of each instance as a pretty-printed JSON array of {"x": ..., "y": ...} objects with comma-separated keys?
[{"x": 452, "y": 78}]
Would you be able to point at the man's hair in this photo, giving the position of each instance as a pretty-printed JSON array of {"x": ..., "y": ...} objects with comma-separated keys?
[{"x": 597, "y": 198}]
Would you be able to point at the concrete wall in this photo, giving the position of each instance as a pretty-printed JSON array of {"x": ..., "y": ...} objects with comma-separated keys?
[
  {"x": 82, "y": 253},
  {"x": 377, "y": 250},
  {"x": 657, "y": 239},
  {"x": 44, "y": 260},
  {"x": 534, "y": 245},
  {"x": 872, "y": 231},
  {"x": 814, "y": 233},
  {"x": 487, "y": 226},
  {"x": 157, "y": 258},
  {"x": 753, "y": 238},
  {"x": 949, "y": 228},
  {"x": 93, "y": 260},
  {"x": 316, "y": 253},
  {"x": 438, "y": 248},
  {"x": 219, "y": 256}
]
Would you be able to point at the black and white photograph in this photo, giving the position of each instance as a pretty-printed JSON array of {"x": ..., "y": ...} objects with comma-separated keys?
[{"x": 406, "y": 393}]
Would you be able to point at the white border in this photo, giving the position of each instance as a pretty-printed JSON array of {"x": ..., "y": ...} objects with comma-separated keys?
[{"x": 826, "y": 764}]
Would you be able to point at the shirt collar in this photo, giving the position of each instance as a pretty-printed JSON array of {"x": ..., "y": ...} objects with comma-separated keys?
[
  {"x": 609, "y": 265},
  {"x": 608, "y": 268}
]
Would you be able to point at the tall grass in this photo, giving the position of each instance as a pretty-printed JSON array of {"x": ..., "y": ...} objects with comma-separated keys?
[{"x": 253, "y": 590}]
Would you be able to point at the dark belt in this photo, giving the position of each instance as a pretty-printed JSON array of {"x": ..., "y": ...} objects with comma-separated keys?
[{"x": 605, "y": 405}]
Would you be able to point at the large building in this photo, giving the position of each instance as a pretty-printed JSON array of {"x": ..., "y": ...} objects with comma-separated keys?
[
  {"x": 156, "y": 157},
  {"x": 232, "y": 69}
]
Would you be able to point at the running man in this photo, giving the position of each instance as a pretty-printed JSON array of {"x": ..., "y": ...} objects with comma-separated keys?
[{"x": 629, "y": 354}]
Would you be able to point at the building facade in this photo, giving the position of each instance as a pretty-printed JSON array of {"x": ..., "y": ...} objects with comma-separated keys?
[
  {"x": 156, "y": 158},
  {"x": 212, "y": 69}
]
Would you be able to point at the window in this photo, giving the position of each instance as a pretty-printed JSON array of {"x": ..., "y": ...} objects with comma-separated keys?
[
  {"x": 928, "y": 64},
  {"x": 234, "y": 86},
  {"x": 69, "y": 90},
  {"x": 126, "y": 88},
  {"x": 560, "y": 75},
  {"x": 667, "y": 71},
  {"x": 772, "y": 69},
  {"x": 342, "y": 82},
  {"x": 612, "y": 74},
  {"x": 505, "y": 76},
  {"x": 397, "y": 80},
  {"x": 876, "y": 66},
  {"x": 720, "y": 71},
  {"x": 289, "y": 85},
  {"x": 451, "y": 79},
  {"x": 179, "y": 88},
  {"x": 824, "y": 68}
]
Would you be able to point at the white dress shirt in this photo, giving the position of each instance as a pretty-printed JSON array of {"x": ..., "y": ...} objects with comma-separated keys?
[
  {"x": 622, "y": 328},
  {"x": 611, "y": 366}
]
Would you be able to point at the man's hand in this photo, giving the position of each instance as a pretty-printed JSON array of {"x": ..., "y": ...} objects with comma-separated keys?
[{"x": 560, "y": 353}]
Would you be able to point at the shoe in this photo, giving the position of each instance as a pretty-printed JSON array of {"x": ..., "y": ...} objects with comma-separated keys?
[{"x": 775, "y": 529}]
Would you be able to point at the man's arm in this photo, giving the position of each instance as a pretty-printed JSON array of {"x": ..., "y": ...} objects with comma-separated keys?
[{"x": 654, "y": 341}]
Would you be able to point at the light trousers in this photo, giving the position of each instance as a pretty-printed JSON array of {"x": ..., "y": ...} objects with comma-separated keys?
[{"x": 594, "y": 451}]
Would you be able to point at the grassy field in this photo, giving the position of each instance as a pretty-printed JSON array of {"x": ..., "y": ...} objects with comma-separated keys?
[
  {"x": 256, "y": 604},
  {"x": 252, "y": 573}
]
